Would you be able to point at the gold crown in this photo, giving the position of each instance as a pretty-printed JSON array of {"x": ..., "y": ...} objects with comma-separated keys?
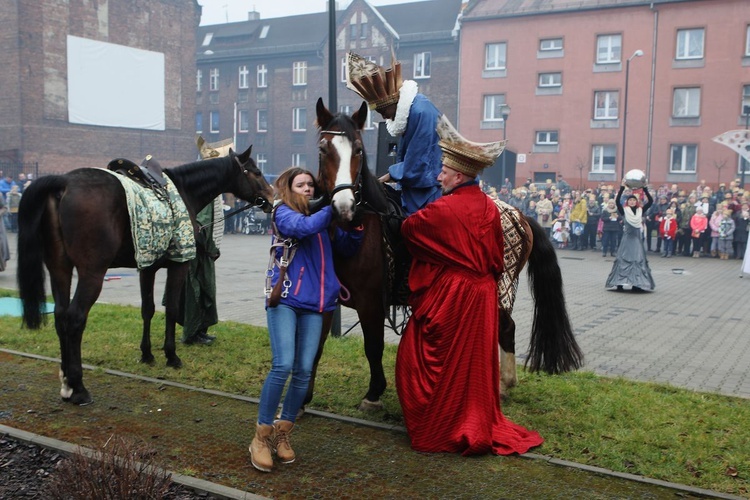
[
  {"x": 375, "y": 84},
  {"x": 465, "y": 156}
]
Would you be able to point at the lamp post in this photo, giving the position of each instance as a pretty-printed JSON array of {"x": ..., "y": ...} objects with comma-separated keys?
[
  {"x": 505, "y": 112},
  {"x": 746, "y": 111},
  {"x": 637, "y": 53}
]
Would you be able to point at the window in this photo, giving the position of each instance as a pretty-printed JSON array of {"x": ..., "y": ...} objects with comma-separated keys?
[
  {"x": 199, "y": 80},
  {"x": 550, "y": 79},
  {"x": 683, "y": 158},
  {"x": 353, "y": 31},
  {"x": 690, "y": 44},
  {"x": 363, "y": 30},
  {"x": 745, "y": 104},
  {"x": 608, "y": 49},
  {"x": 213, "y": 79},
  {"x": 551, "y": 44},
  {"x": 422, "y": 65},
  {"x": 493, "y": 107},
  {"x": 605, "y": 105},
  {"x": 299, "y": 71},
  {"x": 262, "y": 120},
  {"x": 264, "y": 31},
  {"x": 747, "y": 42},
  {"x": 299, "y": 119},
  {"x": 214, "y": 116},
  {"x": 743, "y": 164},
  {"x": 243, "y": 74},
  {"x": 262, "y": 74},
  {"x": 207, "y": 39},
  {"x": 494, "y": 56},
  {"x": 243, "y": 120},
  {"x": 686, "y": 103},
  {"x": 198, "y": 122},
  {"x": 546, "y": 137},
  {"x": 299, "y": 160},
  {"x": 603, "y": 158},
  {"x": 261, "y": 161},
  {"x": 343, "y": 69}
]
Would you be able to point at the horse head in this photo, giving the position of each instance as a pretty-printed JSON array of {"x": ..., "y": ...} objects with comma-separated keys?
[
  {"x": 342, "y": 158},
  {"x": 252, "y": 185}
]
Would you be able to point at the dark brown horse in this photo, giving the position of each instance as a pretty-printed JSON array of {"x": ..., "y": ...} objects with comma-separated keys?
[
  {"x": 357, "y": 194},
  {"x": 80, "y": 221}
]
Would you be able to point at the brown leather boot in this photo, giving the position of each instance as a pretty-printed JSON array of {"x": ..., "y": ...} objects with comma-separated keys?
[
  {"x": 261, "y": 448},
  {"x": 283, "y": 445}
]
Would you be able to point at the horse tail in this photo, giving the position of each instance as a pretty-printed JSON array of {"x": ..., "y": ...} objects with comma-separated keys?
[
  {"x": 30, "y": 272},
  {"x": 553, "y": 347}
]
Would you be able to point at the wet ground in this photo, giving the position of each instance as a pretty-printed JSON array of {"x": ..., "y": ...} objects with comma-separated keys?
[{"x": 205, "y": 435}]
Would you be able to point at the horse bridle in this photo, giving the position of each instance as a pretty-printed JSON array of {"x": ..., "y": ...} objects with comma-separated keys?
[{"x": 355, "y": 187}]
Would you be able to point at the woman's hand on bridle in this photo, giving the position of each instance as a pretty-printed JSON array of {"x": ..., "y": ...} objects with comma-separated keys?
[{"x": 385, "y": 178}]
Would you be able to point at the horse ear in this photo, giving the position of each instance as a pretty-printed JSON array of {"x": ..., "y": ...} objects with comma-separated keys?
[
  {"x": 244, "y": 157},
  {"x": 360, "y": 116},
  {"x": 324, "y": 116}
]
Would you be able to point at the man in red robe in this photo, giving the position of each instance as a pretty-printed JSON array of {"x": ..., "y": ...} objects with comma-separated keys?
[{"x": 447, "y": 368}]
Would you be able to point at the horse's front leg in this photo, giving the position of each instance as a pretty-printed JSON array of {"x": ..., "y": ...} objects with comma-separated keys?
[
  {"x": 176, "y": 274},
  {"x": 371, "y": 317},
  {"x": 507, "y": 340},
  {"x": 327, "y": 322},
  {"x": 146, "y": 278}
]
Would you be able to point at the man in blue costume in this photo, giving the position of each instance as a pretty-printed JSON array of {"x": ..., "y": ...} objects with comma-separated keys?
[{"x": 410, "y": 116}]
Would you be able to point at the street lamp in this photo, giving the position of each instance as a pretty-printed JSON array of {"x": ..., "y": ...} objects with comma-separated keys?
[
  {"x": 637, "y": 53},
  {"x": 505, "y": 112},
  {"x": 744, "y": 163}
]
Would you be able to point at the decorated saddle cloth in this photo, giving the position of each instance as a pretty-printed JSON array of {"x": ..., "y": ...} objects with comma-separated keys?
[
  {"x": 517, "y": 249},
  {"x": 158, "y": 227}
]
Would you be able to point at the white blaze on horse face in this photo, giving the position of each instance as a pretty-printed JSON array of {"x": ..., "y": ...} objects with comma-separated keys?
[{"x": 343, "y": 201}]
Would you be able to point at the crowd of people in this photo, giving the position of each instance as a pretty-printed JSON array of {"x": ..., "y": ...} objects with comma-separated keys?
[
  {"x": 10, "y": 198},
  {"x": 691, "y": 221}
]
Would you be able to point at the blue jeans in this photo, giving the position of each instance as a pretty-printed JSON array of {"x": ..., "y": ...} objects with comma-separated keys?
[{"x": 294, "y": 335}]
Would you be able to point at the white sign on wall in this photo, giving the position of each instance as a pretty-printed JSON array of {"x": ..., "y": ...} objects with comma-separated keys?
[{"x": 521, "y": 158}]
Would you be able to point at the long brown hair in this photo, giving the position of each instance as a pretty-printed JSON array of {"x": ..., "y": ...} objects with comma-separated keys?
[{"x": 295, "y": 201}]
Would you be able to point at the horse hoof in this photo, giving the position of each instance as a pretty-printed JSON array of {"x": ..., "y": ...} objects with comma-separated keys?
[
  {"x": 366, "y": 405},
  {"x": 147, "y": 361},
  {"x": 174, "y": 363},
  {"x": 80, "y": 399}
]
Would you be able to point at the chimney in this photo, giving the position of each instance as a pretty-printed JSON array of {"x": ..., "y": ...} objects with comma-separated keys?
[{"x": 253, "y": 15}]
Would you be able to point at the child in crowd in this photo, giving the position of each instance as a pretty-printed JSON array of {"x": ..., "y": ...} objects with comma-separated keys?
[
  {"x": 561, "y": 230},
  {"x": 698, "y": 226},
  {"x": 726, "y": 234},
  {"x": 611, "y": 228},
  {"x": 668, "y": 232}
]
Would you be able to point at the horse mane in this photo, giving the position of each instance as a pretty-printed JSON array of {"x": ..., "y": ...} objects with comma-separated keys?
[{"x": 201, "y": 177}]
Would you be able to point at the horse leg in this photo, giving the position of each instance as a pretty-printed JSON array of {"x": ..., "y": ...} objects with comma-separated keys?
[
  {"x": 176, "y": 275},
  {"x": 371, "y": 318},
  {"x": 72, "y": 325},
  {"x": 60, "y": 280},
  {"x": 146, "y": 278},
  {"x": 327, "y": 322},
  {"x": 507, "y": 340}
]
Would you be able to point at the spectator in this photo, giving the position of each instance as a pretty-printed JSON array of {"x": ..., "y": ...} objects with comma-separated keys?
[
  {"x": 713, "y": 225},
  {"x": 726, "y": 234},
  {"x": 544, "y": 212},
  {"x": 578, "y": 219},
  {"x": 611, "y": 228},
  {"x": 13, "y": 200},
  {"x": 668, "y": 232},
  {"x": 562, "y": 185},
  {"x": 741, "y": 228},
  {"x": 684, "y": 237},
  {"x": 698, "y": 226}
]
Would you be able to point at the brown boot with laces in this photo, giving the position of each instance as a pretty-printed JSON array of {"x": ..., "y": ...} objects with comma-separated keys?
[
  {"x": 283, "y": 445},
  {"x": 261, "y": 448}
]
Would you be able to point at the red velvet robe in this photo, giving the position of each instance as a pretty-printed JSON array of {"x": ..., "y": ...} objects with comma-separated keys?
[{"x": 447, "y": 368}]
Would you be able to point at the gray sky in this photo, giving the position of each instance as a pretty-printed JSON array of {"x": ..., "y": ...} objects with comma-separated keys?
[{"x": 222, "y": 11}]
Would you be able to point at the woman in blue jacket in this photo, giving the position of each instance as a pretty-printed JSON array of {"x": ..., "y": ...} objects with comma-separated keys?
[{"x": 310, "y": 288}]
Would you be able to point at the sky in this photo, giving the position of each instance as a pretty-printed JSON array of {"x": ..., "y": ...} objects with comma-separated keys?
[{"x": 222, "y": 11}]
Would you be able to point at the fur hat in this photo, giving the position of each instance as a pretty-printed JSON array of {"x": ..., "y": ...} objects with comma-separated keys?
[
  {"x": 462, "y": 155},
  {"x": 378, "y": 86}
]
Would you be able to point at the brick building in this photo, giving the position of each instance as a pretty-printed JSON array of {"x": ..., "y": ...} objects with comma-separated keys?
[
  {"x": 41, "y": 124},
  {"x": 258, "y": 80},
  {"x": 564, "y": 67}
]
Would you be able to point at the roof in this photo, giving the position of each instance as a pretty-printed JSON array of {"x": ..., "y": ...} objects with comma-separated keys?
[
  {"x": 423, "y": 20},
  {"x": 481, "y": 9}
]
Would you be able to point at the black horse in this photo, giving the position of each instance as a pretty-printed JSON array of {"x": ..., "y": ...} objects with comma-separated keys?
[
  {"x": 356, "y": 193},
  {"x": 80, "y": 221}
]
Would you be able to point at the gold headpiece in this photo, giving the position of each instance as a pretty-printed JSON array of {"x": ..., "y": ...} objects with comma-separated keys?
[
  {"x": 465, "y": 156},
  {"x": 213, "y": 149},
  {"x": 375, "y": 84}
]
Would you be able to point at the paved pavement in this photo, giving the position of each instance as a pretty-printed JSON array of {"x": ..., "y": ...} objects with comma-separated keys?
[{"x": 692, "y": 332}]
